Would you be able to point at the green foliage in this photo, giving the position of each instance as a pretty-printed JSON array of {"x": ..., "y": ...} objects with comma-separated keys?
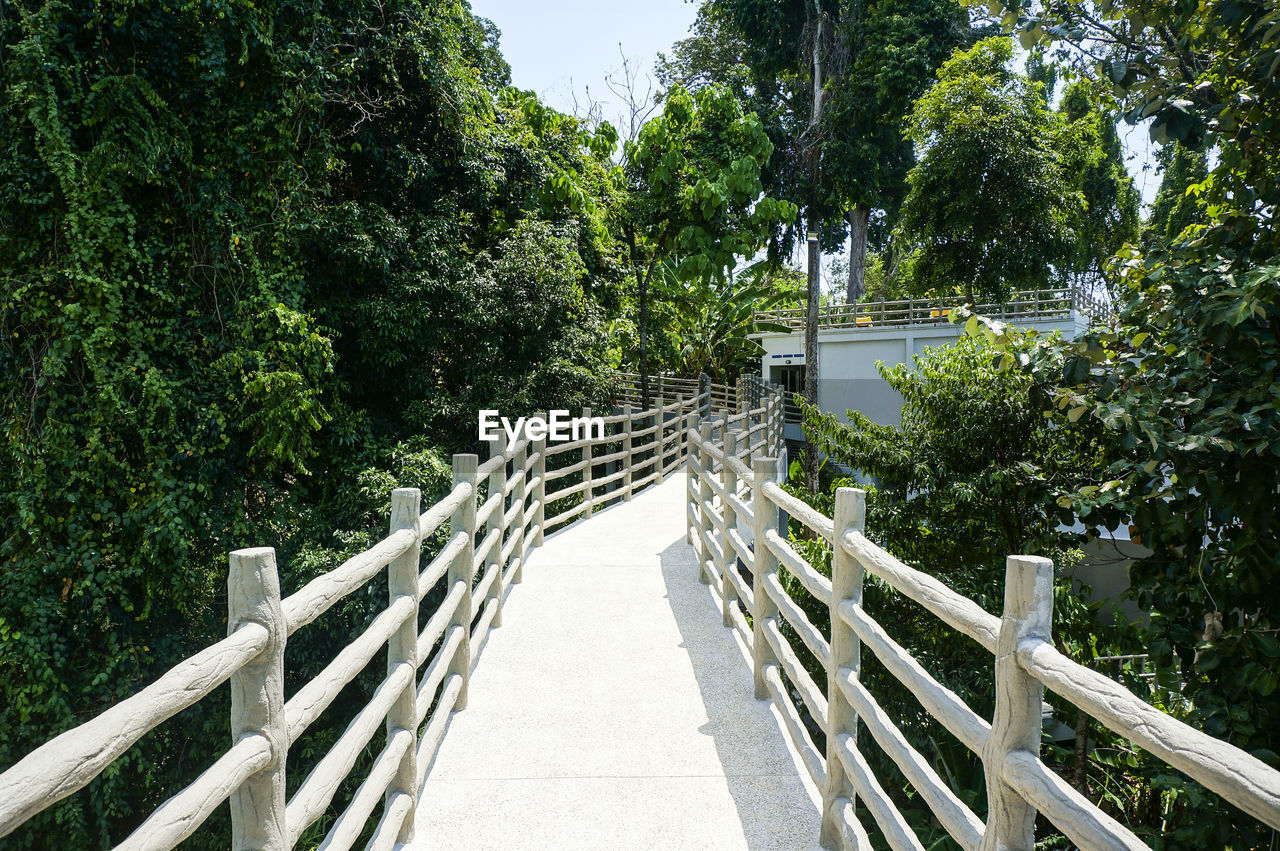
[
  {"x": 1177, "y": 204},
  {"x": 261, "y": 264},
  {"x": 895, "y": 48},
  {"x": 973, "y": 474},
  {"x": 879, "y": 56},
  {"x": 1094, "y": 165},
  {"x": 1186, "y": 382},
  {"x": 706, "y": 323},
  {"x": 697, "y": 192},
  {"x": 696, "y": 200},
  {"x": 1187, "y": 386},
  {"x": 987, "y": 205}
]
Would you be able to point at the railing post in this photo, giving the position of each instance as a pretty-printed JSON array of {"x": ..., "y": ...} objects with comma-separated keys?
[
  {"x": 705, "y": 495},
  {"x": 704, "y": 389},
  {"x": 767, "y": 517},
  {"x": 402, "y": 648},
  {"x": 780, "y": 422},
  {"x": 660, "y": 420},
  {"x": 496, "y": 521},
  {"x": 846, "y": 653},
  {"x": 1017, "y": 721},
  {"x": 628, "y": 460},
  {"x": 729, "y": 481},
  {"x": 540, "y": 489},
  {"x": 587, "y": 455},
  {"x": 692, "y": 424},
  {"x": 257, "y": 699},
  {"x": 462, "y": 569},
  {"x": 520, "y": 497}
]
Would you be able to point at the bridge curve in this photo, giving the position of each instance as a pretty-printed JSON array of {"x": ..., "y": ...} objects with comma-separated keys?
[{"x": 614, "y": 709}]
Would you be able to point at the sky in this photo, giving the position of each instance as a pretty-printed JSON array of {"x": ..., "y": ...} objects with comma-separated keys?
[{"x": 556, "y": 46}]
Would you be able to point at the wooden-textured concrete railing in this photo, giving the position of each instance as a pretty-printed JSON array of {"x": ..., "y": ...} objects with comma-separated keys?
[
  {"x": 731, "y": 497},
  {"x": 496, "y": 513}
]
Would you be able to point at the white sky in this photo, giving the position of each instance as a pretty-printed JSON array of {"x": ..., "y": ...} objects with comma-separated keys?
[{"x": 557, "y": 46}]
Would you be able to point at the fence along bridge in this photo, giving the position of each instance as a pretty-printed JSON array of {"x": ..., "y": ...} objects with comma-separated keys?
[{"x": 612, "y": 616}]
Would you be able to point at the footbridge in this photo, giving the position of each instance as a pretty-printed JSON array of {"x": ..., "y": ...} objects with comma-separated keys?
[{"x": 640, "y": 639}]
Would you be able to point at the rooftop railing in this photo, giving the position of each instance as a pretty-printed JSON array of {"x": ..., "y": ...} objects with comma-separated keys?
[{"x": 1021, "y": 306}]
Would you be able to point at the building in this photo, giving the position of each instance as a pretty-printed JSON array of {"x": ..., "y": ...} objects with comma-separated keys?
[{"x": 853, "y": 337}]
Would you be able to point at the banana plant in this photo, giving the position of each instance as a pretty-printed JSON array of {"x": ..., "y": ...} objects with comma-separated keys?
[{"x": 708, "y": 320}]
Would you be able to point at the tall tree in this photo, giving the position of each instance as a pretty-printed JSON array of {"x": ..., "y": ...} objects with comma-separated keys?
[
  {"x": 1176, "y": 205},
  {"x": 1094, "y": 167},
  {"x": 894, "y": 49},
  {"x": 244, "y": 247},
  {"x": 988, "y": 208},
  {"x": 1187, "y": 378},
  {"x": 696, "y": 195}
]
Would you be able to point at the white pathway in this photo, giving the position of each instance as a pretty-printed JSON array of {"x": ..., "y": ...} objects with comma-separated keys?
[{"x": 613, "y": 710}]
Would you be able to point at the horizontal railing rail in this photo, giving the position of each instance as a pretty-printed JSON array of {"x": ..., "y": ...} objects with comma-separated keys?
[
  {"x": 496, "y": 513},
  {"x": 1022, "y": 305},
  {"x": 738, "y": 519}
]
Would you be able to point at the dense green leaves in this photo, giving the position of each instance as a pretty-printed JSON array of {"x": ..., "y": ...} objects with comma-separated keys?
[
  {"x": 987, "y": 208},
  {"x": 261, "y": 264},
  {"x": 1186, "y": 380},
  {"x": 973, "y": 474},
  {"x": 697, "y": 202}
]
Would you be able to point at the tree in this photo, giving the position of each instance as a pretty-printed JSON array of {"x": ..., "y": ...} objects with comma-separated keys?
[
  {"x": 1176, "y": 204},
  {"x": 1094, "y": 165},
  {"x": 246, "y": 252},
  {"x": 696, "y": 195},
  {"x": 973, "y": 474},
  {"x": 708, "y": 321},
  {"x": 1186, "y": 379},
  {"x": 987, "y": 207},
  {"x": 895, "y": 48}
]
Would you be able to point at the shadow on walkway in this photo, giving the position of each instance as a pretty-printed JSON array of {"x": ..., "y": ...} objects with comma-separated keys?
[{"x": 776, "y": 806}]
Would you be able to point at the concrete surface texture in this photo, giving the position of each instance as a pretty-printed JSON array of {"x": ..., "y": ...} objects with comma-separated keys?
[{"x": 614, "y": 710}]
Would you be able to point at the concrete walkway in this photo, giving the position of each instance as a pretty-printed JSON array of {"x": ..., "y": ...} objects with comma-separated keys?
[{"x": 613, "y": 710}]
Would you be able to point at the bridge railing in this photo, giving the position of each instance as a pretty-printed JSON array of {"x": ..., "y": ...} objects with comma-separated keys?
[
  {"x": 728, "y": 496},
  {"x": 496, "y": 513},
  {"x": 1023, "y": 305}
]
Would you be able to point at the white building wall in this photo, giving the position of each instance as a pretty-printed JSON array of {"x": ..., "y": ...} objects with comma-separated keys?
[{"x": 848, "y": 379}]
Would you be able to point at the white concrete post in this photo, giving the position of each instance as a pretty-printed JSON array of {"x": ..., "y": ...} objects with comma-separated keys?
[
  {"x": 257, "y": 700},
  {"x": 463, "y": 568},
  {"x": 540, "y": 490},
  {"x": 741, "y": 399},
  {"x": 1016, "y": 723},
  {"x": 520, "y": 497},
  {"x": 691, "y": 492},
  {"x": 705, "y": 494},
  {"x": 729, "y": 481},
  {"x": 402, "y": 581},
  {"x": 779, "y": 421},
  {"x": 496, "y": 522},
  {"x": 767, "y": 517},
  {"x": 627, "y": 427},
  {"x": 587, "y": 454},
  {"x": 660, "y": 420},
  {"x": 846, "y": 652},
  {"x": 704, "y": 394}
]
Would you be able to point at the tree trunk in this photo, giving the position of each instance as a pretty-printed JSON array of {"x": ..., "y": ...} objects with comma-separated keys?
[
  {"x": 811, "y": 348},
  {"x": 859, "y": 216},
  {"x": 644, "y": 338},
  {"x": 1081, "y": 772},
  {"x": 815, "y": 254}
]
